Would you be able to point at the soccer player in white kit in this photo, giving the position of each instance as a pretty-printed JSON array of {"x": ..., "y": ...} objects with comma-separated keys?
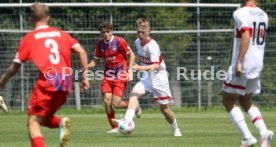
[
  {"x": 154, "y": 79},
  {"x": 251, "y": 24}
]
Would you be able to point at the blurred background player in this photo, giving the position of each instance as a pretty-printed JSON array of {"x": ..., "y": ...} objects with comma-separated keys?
[
  {"x": 50, "y": 50},
  {"x": 115, "y": 52},
  {"x": 251, "y": 24},
  {"x": 3, "y": 105},
  {"x": 155, "y": 78}
]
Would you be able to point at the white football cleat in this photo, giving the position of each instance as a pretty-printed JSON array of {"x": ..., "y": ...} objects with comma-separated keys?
[
  {"x": 113, "y": 131},
  {"x": 138, "y": 111},
  {"x": 3, "y": 105},
  {"x": 177, "y": 133},
  {"x": 250, "y": 142},
  {"x": 64, "y": 131},
  {"x": 266, "y": 139}
]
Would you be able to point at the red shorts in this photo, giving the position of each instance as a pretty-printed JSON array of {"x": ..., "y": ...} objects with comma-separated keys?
[
  {"x": 45, "y": 103},
  {"x": 115, "y": 87}
]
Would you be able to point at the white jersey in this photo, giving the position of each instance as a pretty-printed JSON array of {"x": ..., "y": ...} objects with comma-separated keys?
[
  {"x": 255, "y": 20},
  {"x": 155, "y": 82},
  {"x": 149, "y": 54}
]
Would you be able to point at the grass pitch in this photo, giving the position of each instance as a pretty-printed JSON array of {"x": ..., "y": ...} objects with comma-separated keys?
[{"x": 199, "y": 129}]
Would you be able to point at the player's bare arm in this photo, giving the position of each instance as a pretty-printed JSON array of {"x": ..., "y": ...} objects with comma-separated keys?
[
  {"x": 131, "y": 58},
  {"x": 12, "y": 70},
  {"x": 83, "y": 61},
  {"x": 146, "y": 68},
  {"x": 93, "y": 63},
  {"x": 245, "y": 39}
]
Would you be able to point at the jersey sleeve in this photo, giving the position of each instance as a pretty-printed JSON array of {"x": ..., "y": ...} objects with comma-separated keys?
[
  {"x": 155, "y": 53},
  {"x": 124, "y": 46},
  {"x": 23, "y": 53},
  {"x": 241, "y": 20},
  {"x": 97, "y": 53},
  {"x": 72, "y": 41}
]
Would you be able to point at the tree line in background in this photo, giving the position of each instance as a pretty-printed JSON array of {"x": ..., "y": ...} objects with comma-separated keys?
[{"x": 177, "y": 49}]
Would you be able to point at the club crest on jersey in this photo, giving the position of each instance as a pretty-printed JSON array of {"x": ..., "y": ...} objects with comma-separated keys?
[{"x": 147, "y": 54}]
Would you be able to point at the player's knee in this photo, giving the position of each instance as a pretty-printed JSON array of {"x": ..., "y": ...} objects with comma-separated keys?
[
  {"x": 116, "y": 105},
  {"x": 32, "y": 122},
  {"x": 107, "y": 101},
  {"x": 165, "y": 109}
]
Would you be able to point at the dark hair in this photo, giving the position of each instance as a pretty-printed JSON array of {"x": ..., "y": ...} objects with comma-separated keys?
[{"x": 107, "y": 25}]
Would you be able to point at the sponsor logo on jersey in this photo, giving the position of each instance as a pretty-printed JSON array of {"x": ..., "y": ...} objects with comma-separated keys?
[
  {"x": 144, "y": 60},
  {"x": 109, "y": 59}
]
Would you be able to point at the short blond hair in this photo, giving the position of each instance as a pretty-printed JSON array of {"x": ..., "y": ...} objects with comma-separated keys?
[
  {"x": 39, "y": 11},
  {"x": 142, "y": 22}
]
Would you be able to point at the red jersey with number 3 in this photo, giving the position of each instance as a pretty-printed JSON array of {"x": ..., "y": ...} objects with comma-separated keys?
[
  {"x": 50, "y": 50},
  {"x": 114, "y": 54}
]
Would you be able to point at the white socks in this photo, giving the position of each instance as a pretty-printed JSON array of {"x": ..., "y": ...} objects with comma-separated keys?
[
  {"x": 174, "y": 124},
  {"x": 257, "y": 120},
  {"x": 238, "y": 119},
  {"x": 130, "y": 114}
]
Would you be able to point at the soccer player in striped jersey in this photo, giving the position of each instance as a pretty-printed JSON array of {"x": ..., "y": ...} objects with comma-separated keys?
[
  {"x": 251, "y": 24},
  {"x": 116, "y": 52},
  {"x": 155, "y": 77},
  {"x": 49, "y": 49}
]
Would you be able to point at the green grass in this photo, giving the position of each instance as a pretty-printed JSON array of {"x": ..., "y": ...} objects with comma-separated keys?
[{"x": 206, "y": 128}]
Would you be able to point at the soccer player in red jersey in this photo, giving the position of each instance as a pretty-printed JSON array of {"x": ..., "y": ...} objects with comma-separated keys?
[
  {"x": 115, "y": 52},
  {"x": 49, "y": 49}
]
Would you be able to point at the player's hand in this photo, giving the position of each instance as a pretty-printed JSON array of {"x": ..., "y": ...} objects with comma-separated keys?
[
  {"x": 91, "y": 65},
  {"x": 85, "y": 85},
  {"x": 239, "y": 71},
  {"x": 129, "y": 75}
]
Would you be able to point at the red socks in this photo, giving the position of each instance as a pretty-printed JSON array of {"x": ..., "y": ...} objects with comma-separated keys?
[
  {"x": 111, "y": 116},
  {"x": 37, "y": 142},
  {"x": 52, "y": 122}
]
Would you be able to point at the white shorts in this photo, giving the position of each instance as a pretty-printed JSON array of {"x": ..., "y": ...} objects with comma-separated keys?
[
  {"x": 161, "y": 92},
  {"x": 241, "y": 85}
]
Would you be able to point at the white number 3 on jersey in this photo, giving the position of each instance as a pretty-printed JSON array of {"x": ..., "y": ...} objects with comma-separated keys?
[{"x": 54, "y": 56}]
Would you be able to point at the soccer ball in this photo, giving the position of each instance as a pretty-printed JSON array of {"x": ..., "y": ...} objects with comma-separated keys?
[{"x": 126, "y": 126}]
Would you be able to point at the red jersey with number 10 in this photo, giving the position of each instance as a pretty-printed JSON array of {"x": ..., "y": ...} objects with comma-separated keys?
[{"x": 50, "y": 50}]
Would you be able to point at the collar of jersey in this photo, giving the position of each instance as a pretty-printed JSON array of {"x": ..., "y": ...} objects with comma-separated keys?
[
  {"x": 42, "y": 27},
  {"x": 252, "y": 5},
  {"x": 109, "y": 40}
]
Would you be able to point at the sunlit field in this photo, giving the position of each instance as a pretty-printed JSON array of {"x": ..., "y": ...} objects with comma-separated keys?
[{"x": 206, "y": 128}]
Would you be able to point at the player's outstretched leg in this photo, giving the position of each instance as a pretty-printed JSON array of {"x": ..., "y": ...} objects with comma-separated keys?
[
  {"x": 170, "y": 119},
  {"x": 3, "y": 105},
  {"x": 64, "y": 131}
]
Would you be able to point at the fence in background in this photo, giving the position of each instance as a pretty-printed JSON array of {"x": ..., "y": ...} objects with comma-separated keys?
[{"x": 197, "y": 37}]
